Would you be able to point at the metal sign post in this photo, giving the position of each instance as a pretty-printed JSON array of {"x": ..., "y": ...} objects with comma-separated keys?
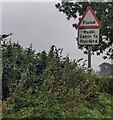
[{"x": 89, "y": 57}]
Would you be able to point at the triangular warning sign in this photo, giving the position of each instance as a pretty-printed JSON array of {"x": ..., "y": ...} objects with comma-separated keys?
[{"x": 89, "y": 20}]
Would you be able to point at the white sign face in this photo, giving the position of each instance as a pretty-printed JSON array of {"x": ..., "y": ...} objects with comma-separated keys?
[{"x": 88, "y": 36}]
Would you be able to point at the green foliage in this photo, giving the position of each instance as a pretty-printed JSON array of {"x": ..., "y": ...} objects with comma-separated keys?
[
  {"x": 13, "y": 66},
  {"x": 47, "y": 85},
  {"x": 105, "y": 84},
  {"x": 104, "y": 12}
]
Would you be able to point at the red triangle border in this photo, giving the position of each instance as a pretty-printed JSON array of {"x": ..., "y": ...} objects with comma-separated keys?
[{"x": 93, "y": 13}]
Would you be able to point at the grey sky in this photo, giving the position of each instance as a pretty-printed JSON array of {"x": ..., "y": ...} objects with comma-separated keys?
[{"x": 42, "y": 25}]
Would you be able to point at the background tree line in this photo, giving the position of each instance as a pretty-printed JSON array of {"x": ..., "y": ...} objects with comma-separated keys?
[{"x": 106, "y": 69}]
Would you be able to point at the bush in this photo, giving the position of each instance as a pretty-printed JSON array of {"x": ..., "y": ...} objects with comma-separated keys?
[{"x": 52, "y": 86}]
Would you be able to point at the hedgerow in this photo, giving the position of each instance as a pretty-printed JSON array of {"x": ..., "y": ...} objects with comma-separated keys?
[{"x": 48, "y": 85}]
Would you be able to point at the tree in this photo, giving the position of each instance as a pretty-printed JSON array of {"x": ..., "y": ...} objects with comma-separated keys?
[
  {"x": 13, "y": 65},
  {"x": 105, "y": 69},
  {"x": 4, "y": 82},
  {"x": 104, "y": 12}
]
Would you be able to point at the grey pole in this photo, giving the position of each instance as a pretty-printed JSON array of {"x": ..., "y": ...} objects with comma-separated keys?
[{"x": 89, "y": 57}]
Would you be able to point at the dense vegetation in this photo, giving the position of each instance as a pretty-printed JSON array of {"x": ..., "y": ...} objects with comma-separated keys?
[{"x": 48, "y": 85}]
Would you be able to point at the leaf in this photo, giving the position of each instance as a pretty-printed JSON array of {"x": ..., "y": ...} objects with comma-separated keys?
[{"x": 105, "y": 57}]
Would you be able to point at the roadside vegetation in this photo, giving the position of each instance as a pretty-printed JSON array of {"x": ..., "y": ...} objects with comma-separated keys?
[{"x": 48, "y": 85}]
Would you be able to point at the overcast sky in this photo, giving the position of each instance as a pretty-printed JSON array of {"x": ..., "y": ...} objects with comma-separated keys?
[{"x": 41, "y": 24}]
